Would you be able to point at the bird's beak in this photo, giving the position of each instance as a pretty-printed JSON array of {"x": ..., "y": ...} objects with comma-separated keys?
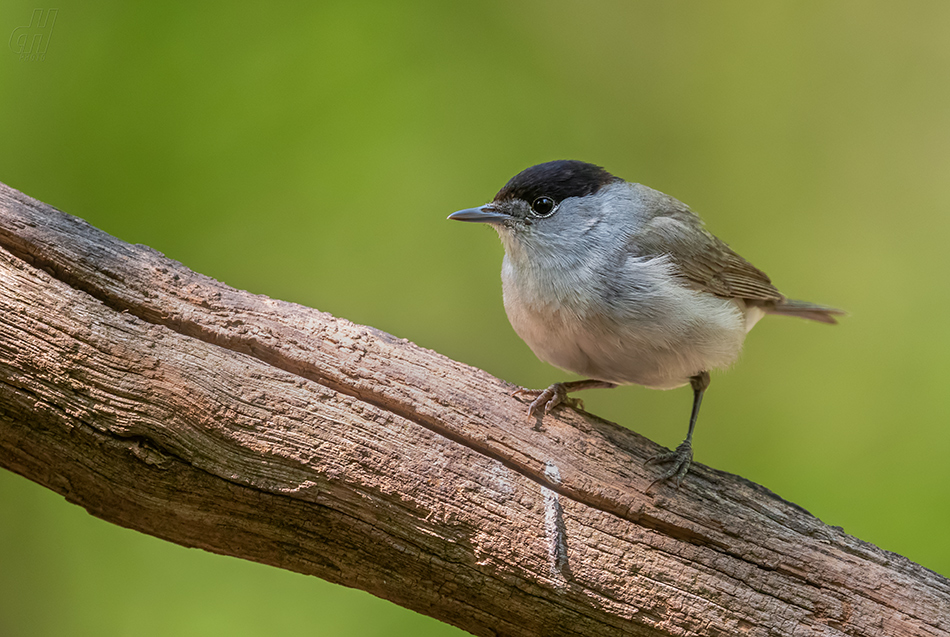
[{"x": 484, "y": 214}]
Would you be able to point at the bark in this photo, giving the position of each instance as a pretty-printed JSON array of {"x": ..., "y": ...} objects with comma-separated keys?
[{"x": 167, "y": 402}]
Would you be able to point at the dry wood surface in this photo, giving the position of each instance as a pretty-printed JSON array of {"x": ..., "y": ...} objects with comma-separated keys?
[{"x": 165, "y": 401}]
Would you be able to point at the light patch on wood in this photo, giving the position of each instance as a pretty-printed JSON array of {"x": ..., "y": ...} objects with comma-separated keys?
[{"x": 554, "y": 526}]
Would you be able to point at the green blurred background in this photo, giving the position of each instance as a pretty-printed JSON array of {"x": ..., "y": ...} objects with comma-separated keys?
[{"x": 312, "y": 152}]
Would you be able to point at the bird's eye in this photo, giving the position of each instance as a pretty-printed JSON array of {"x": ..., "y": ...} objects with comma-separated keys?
[{"x": 543, "y": 206}]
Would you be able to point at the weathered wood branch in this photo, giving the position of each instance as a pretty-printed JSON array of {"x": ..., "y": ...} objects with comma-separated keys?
[{"x": 167, "y": 402}]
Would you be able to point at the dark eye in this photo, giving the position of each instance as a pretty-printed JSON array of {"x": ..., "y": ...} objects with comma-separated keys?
[{"x": 543, "y": 206}]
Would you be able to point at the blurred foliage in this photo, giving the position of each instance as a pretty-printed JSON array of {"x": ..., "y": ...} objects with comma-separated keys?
[{"x": 312, "y": 152}]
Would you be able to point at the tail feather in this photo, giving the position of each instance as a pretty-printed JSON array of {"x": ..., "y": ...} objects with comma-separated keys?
[{"x": 805, "y": 310}]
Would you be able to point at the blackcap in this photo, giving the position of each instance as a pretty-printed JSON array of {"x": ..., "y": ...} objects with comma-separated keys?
[{"x": 623, "y": 285}]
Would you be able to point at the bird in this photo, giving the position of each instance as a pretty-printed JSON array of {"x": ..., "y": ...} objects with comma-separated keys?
[{"x": 622, "y": 284}]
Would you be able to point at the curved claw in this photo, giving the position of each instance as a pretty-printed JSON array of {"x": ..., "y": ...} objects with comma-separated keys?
[
  {"x": 548, "y": 399},
  {"x": 681, "y": 459}
]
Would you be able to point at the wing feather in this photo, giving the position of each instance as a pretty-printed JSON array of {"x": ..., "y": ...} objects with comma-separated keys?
[{"x": 704, "y": 261}]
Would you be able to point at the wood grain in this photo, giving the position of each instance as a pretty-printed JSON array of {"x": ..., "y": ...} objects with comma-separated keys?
[{"x": 164, "y": 401}]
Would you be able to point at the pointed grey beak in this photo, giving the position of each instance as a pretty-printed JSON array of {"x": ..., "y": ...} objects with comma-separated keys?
[{"x": 484, "y": 214}]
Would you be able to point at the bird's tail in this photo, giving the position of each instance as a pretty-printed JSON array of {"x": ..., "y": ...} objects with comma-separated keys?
[{"x": 806, "y": 310}]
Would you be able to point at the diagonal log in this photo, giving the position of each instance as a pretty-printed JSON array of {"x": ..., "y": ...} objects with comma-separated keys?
[{"x": 165, "y": 401}]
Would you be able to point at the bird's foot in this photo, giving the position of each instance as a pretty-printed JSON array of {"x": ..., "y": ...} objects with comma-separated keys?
[
  {"x": 681, "y": 458},
  {"x": 548, "y": 399}
]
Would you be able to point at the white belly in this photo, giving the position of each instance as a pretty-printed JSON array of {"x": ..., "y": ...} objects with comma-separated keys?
[{"x": 658, "y": 335}]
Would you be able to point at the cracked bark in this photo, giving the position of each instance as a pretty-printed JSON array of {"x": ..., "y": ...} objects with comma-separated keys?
[{"x": 167, "y": 402}]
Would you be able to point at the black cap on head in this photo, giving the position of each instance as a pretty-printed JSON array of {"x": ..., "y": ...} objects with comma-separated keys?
[{"x": 556, "y": 179}]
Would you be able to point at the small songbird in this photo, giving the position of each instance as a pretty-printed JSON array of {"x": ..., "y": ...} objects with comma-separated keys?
[{"x": 624, "y": 285}]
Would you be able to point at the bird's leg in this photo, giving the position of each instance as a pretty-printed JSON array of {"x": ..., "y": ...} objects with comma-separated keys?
[
  {"x": 683, "y": 455},
  {"x": 548, "y": 399}
]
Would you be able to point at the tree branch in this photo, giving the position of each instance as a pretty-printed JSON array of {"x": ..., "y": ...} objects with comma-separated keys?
[{"x": 164, "y": 401}]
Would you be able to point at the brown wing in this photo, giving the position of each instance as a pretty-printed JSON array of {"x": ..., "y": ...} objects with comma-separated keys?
[{"x": 706, "y": 262}]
